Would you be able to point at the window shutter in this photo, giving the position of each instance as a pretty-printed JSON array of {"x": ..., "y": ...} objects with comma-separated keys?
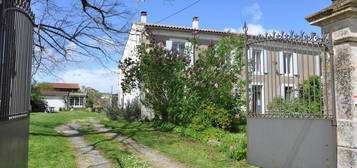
[
  {"x": 189, "y": 49},
  {"x": 282, "y": 92},
  {"x": 168, "y": 45},
  {"x": 295, "y": 64},
  {"x": 266, "y": 61},
  {"x": 250, "y": 60},
  {"x": 318, "y": 65},
  {"x": 281, "y": 62}
]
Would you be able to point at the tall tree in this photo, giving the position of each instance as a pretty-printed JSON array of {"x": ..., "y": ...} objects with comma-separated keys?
[{"x": 77, "y": 30}]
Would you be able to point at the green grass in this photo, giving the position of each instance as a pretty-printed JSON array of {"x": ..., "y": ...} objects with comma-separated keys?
[
  {"x": 113, "y": 150},
  {"x": 47, "y": 147},
  {"x": 182, "y": 149}
]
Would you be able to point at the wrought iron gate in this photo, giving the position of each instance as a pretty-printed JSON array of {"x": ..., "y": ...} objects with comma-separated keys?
[
  {"x": 289, "y": 75},
  {"x": 16, "y": 50},
  {"x": 290, "y": 100}
]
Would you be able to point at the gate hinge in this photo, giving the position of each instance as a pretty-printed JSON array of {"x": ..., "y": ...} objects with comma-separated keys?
[{"x": 333, "y": 122}]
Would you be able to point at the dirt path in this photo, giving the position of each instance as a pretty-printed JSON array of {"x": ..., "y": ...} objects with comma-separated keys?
[
  {"x": 86, "y": 155},
  {"x": 147, "y": 154}
]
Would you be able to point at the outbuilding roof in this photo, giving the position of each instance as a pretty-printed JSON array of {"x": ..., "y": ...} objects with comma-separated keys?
[{"x": 62, "y": 85}]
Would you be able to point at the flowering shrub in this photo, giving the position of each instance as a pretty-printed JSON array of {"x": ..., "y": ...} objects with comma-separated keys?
[{"x": 208, "y": 93}]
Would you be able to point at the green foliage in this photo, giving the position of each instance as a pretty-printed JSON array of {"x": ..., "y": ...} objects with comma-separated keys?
[
  {"x": 203, "y": 94},
  {"x": 49, "y": 148},
  {"x": 37, "y": 102},
  {"x": 159, "y": 74},
  {"x": 309, "y": 99},
  {"x": 89, "y": 103},
  {"x": 131, "y": 111},
  {"x": 185, "y": 144},
  {"x": 117, "y": 152},
  {"x": 232, "y": 144},
  {"x": 211, "y": 116}
]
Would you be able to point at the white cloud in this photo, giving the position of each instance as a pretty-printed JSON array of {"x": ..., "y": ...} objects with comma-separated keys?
[
  {"x": 254, "y": 29},
  {"x": 254, "y": 11},
  {"x": 229, "y": 29},
  {"x": 101, "y": 79}
]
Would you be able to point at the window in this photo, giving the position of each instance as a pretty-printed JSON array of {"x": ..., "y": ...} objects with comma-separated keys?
[
  {"x": 258, "y": 59},
  {"x": 179, "y": 47},
  {"x": 71, "y": 101},
  {"x": 257, "y": 95},
  {"x": 289, "y": 92},
  {"x": 76, "y": 101},
  {"x": 288, "y": 63},
  {"x": 81, "y": 101}
]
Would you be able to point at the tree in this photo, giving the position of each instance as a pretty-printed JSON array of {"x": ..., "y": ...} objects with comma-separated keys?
[
  {"x": 189, "y": 94},
  {"x": 37, "y": 102},
  {"x": 70, "y": 31}
]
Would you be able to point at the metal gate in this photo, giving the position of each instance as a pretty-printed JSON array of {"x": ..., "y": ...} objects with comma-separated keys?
[
  {"x": 291, "y": 100},
  {"x": 16, "y": 50}
]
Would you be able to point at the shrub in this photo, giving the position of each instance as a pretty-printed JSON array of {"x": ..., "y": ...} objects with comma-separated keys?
[
  {"x": 232, "y": 144},
  {"x": 211, "y": 116},
  {"x": 89, "y": 103},
  {"x": 130, "y": 112},
  {"x": 113, "y": 113},
  {"x": 37, "y": 102},
  {"x": 309, "y": 99},
  {"x": 176, "y": 90}
]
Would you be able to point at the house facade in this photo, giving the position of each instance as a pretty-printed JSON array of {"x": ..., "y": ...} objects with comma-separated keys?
[
  {"x": 277, "y": 66},
  {"x": 60, "y": 96}
]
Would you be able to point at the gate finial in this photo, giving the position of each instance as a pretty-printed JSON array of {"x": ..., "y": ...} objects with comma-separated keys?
[{"x": 245, "y": 28}]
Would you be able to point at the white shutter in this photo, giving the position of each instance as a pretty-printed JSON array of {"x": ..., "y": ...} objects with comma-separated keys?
[
  {"x": 295, "y": 64},
  {"x": 168, "y": 45},
  {"x": 282, "y": 91},
  {"x": 250, "y": 59},
  {"x": 266, "y": 61},
  {"x": 189, "y": 49},
  {"x": 318, "y": 65},
  {"x": 281, "y": 62}
]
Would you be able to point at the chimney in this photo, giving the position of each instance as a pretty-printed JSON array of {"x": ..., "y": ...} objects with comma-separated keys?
[
  {"x": 195, "y": 22},
  {"x": 144, "y": 16}
]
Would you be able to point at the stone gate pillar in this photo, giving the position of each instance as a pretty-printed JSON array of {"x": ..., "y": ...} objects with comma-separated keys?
[{"x": 341, "y": 19}]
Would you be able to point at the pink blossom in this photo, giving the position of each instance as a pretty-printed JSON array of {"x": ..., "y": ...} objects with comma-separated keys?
[{"x": 216, "y": 85}]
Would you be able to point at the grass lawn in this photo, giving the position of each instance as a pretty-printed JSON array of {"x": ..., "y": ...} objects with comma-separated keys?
[
  {"x": 47, "y": 147},
  {"x": 50, "y": 149},
  {"x": 182, "y": 149}
]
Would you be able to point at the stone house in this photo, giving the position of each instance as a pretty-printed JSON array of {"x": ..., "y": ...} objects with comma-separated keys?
[{"x": 277, "y": 69}]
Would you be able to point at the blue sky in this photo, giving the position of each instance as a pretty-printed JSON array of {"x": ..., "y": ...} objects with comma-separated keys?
[{"x": 261, "y": 15}]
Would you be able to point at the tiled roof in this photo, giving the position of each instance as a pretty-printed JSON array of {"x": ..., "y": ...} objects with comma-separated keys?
[
  {"x": 150, "y": 25},
  {"x": 62, "y": 85}
]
